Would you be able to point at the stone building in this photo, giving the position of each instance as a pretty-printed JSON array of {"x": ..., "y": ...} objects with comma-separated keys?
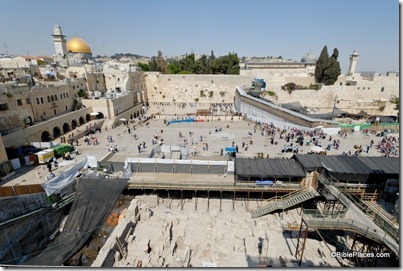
[{"x": 23, "y": 106}]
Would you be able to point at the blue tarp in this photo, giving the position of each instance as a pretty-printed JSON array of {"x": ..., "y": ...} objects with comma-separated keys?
[
  {"x": 230, "y": 149},
  {"x": 179, "y": 121},
  {"x": 264, "y": 182}
]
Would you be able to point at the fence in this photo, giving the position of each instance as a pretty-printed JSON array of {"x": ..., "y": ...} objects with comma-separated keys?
[{"x": 375, "y": 127}]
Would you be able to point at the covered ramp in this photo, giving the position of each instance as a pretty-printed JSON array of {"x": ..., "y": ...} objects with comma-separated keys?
[
  {"x": 351, "y": 168},
  {"x": 268, "y": 168},
  {"x": 95, "y": 199}
]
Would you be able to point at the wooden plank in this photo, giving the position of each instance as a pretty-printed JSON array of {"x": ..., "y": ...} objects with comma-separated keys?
[
  {"x": 6, "y": 191},
  {"x": 21, "y": 189}
]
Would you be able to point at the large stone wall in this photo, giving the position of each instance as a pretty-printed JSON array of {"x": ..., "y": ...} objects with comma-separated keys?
[
  {"x": 185, "y": 88},
  {"x": 371, "y": 96},
  {"x": 19, "y": 205}
]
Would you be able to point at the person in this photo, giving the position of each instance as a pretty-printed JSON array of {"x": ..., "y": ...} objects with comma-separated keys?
[
  {"x": 76, "y": 150},
  {"x": 49, "y": 166},
  {"x": 221, "y": 152},
  {"x": 139, "y": 148}
]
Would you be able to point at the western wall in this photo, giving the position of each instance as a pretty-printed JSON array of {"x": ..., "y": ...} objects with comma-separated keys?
[{"x": 354, "y": 93}]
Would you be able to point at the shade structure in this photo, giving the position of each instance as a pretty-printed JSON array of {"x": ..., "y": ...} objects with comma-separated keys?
[
  {"x": 94, "y": 113},
  {"x": 123, "y": 119}
]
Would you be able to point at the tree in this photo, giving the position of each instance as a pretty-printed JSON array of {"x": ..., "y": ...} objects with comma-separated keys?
[
  {"x": 144, "y": 67},
  {"x": 152, "y": 64},
  {"x": 321, "y": 64},
  {"x": 162, "y": 65},
  {"x": 396, "y": 101},
  {"x": 327, "y": 68}
]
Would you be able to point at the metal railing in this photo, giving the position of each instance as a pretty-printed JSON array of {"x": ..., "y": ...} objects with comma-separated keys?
[
  {"x": 385, "y": 224},
  {"x": 349, "y": 224}
]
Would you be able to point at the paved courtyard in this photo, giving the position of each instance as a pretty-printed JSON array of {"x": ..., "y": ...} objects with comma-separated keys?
[{"x": 231, "y": 131}]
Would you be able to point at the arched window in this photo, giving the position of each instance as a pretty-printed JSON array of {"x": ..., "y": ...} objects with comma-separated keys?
[
  {"x": 55, "y": 97},
  {"x": 37, "y": 100},
  {"x": 42, "y": 100},
  {"x": 52, "y": 98},
  {"x": 48, "y": 99}
]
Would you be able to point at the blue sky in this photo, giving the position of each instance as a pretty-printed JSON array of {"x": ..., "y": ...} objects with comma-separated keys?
[{"x": 287, "y": 28}]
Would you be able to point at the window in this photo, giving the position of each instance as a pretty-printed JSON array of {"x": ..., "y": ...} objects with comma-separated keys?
[
  {"x": 74, "y": 87},
  {"x": 19, "y": 102},
  {"x": 54, "y": 110},
  {"x": 37, "y": 100},
  {"x": 382, "y": 89},
  {"x": 61, "y": 96},
  {"x": 66, "y": 108},
  {"x": 28, "y": 101},
  {"x": 55, "y": 97},
  {"x": 67, "y": 95},
  {"x": 42, "y": 100},
  {"x": 3, "y": 106},
  {"x": 52, "y": 98},
  {"x": 48, "y": 99},
  {"x": 358, "y": 87}
]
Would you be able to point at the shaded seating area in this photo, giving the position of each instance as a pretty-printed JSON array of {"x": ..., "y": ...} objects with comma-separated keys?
[{"x": 277, "y": 170}]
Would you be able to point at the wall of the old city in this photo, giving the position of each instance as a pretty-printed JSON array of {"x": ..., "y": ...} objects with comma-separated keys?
[{"x": 371, "y": 96}]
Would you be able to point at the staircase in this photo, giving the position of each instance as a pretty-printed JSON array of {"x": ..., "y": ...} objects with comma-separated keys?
[{"x": 281, "y": 203}]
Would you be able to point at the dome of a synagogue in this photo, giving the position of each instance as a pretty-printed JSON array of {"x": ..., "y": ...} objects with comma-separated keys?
[
  {"x": 309, "y": 58},
  {"x": 77, "y": 45}
]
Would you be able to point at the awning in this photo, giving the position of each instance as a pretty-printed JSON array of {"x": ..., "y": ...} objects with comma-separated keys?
[{"x": 268, "y": 168}]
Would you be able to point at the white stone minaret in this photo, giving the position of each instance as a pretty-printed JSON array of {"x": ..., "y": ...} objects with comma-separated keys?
[
  {"x": 353, "y": 62},
  {"x": 59, "y": 40}
]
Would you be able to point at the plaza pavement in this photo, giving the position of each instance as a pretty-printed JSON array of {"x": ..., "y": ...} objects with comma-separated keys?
[{"x": 127, "y": 144}]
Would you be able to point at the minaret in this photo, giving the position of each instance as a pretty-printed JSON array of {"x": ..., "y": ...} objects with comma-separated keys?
[
  {"x": 353, "y": 62},
  {"x": 59, "y": 40}
]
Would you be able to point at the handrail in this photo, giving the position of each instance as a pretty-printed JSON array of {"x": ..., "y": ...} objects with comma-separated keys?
[
  {"x": 385, "y": 225},
  {"x": 349, "y": 224}
]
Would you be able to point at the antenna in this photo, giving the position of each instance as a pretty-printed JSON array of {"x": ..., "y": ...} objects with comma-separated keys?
[{"x": 5, "y": 48}]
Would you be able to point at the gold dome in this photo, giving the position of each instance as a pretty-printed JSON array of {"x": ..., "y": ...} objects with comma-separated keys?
[{"x": 77, "y": 45}]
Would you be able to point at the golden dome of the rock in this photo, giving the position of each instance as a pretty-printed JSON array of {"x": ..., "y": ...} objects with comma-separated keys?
[{"x": 77, "y": 45}]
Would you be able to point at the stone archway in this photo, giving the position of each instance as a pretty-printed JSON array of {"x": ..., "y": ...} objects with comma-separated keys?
[
  {"x": 87, "y": 117},
  {"x": 100, "y": 115},
  {"x": 45, "y": 137},
  {"x": 56, "y": 132},
  {"x": 74, "y": 124},
  {"x": 81, "y": 121},
  {"x": 66, "y": 128}
]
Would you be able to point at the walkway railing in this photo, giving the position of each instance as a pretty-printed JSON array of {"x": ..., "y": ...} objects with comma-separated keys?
[
  {"x": 389, "y": 226},
  {"x": 353, "y": 225}
]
